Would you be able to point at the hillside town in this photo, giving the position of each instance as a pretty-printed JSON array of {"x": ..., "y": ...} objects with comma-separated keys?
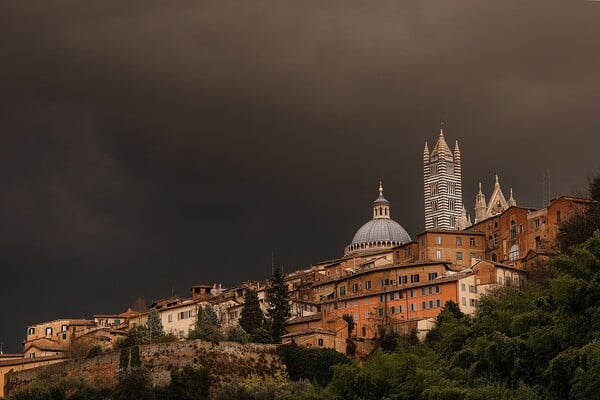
[{"x": 386, "y": 280}]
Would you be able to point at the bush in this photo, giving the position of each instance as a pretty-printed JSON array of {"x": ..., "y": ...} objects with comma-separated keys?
[{"x": 312, "y": 364}]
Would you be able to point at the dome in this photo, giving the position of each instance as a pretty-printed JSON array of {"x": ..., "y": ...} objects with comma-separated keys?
[{"x": 381, "y": 230}]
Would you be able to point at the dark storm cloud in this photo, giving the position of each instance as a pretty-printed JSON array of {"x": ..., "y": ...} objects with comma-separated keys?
[{"x": 151, "y": 145}]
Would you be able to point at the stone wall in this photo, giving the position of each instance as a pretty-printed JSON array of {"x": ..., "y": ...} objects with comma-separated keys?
[{"x": 226, "y": 362}]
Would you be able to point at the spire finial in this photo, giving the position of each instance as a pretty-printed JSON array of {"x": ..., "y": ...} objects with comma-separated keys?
[
  {"x": 380, "y": 188},
  {"x": 441, "y": 127},
  {"x": 497, "y": 183},
  {"x": 479, "y": 187}
]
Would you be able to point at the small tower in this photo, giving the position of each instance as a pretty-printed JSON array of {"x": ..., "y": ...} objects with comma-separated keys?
[
  {"x": 442, "y": 185},
  {"x": 480, "y": 206},
  {"x": 511, "y": 199},
  {"x": 381, "y": 207}
]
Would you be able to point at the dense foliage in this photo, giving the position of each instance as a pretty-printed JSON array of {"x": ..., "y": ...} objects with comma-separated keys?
[
  {"x": 311, "y": 364},
  {"x": 207, "y": 325},
  {"x": 583, "y": 225}
]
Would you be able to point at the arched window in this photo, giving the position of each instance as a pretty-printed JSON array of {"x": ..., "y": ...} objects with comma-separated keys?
[
  {"x": 514, "y": 252},
  {"x": 513, "y": 229}
]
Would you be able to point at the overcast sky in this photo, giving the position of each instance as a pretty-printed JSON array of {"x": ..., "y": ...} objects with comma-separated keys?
[{"x": 146, "y": 146}]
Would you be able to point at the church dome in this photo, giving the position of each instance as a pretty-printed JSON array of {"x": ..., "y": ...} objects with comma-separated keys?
[{"x": 380, "y": 232}]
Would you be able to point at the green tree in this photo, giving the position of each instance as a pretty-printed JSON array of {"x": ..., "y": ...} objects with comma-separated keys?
[
  {"x": 279, "y": 305},
  {"x": 252, "y": 317},
  {"x": 155, "y": 326},
  {"x": 207, "y": 325},
  {"x": 582, "y": 225},
  {"x": 311, "y": 364},
  {"x": 237, "y": 334},
  {"x": 350, "y": 345}
]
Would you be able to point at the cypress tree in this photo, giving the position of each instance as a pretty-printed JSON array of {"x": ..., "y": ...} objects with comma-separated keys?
[
  {"x": 279, "y": 305},
  {"x": 252, "y": 317}
]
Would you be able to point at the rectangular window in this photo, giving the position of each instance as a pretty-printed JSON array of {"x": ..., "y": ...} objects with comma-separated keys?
[
  {"x": 431, "y": 304},
  {"x": 403, "y": 279},
  {"x": 385, "y": 282},
  {"x": 435, "y": 222},
  {"x": 438, "y": 303},
  {"x": 452, "y": 188},
  {"x": 458, "y": 241},
  {"x": 48, "y": 331},
  {"x": 464, "y": 301},
  {"x": 381, "y": 298},
  {"x": 459, "y": 255},
  {"x": 438, "y": 254},
  {"x": 432, "y": 275},
  {"x": 451, "y": 204},
  {"x": 463, "y": 287},
  {"x": 31, "y": 331},
  {"x": 423, "y": 291},
  {"x": 414, "y": 278},
  {"x": 438, "y": 240},
  {"x": 433, "y": 189},
  {"x": 472, "y": 242},
  {"x": 367, "y": 285},
  {"x": 472, "y": 289},
  {"x": 170, "y": 318},
  {"x": 413, "y": 307},
  {"x": 64, "y": 336},
  {"x": 437, "y": 289},
  {"x": 342, "y": 290},
  {"x": 64, "y": 328},
  {"x": 320, "y": 342},
  {"x": 423, "y": 305},
  {"x": 536, "y": 223},
  {"x": 473, "y": 302},
  {"x": 410, "y": 293}
]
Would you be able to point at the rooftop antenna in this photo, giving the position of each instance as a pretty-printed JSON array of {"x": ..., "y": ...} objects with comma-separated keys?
[
  {"x": 1, "y": 350},
  {"x": 172, "y": 290}
]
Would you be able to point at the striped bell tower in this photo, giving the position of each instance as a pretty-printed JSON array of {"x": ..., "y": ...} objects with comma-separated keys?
[{"x": 442, "y": 185}]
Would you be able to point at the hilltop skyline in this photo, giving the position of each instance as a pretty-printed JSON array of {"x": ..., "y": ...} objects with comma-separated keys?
[{"x": 149, "y": 147}]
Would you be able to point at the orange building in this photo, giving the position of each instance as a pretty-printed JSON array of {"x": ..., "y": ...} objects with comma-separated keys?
[
  {"x": 511, "y": 234},
  {"x": 455, "y": 247}
]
